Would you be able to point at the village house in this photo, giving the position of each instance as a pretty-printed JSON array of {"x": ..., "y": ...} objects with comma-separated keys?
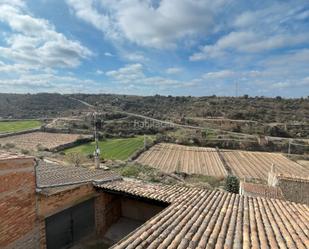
[{"x": 44, "y": 205}]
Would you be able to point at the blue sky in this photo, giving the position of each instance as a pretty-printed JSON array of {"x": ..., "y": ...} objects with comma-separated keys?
[{"x": 146, "y": 47}]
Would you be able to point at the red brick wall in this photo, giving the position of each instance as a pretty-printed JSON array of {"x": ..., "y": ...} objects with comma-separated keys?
[
  {"x": 17, "y": 203},
  {"x": 107, "y": 211},
  {"x": 55, "y": 203}
]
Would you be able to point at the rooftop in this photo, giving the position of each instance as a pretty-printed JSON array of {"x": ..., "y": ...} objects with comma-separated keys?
[
  {"x": 199, "y": 218},
  {"x": 4, "y": 155},
  {"x": 52, "y": 175}
]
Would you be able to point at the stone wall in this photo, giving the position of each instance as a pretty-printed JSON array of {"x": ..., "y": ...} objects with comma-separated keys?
[
  {"x": 294, "y": 190},
  {"x": 18, "y": 219}
]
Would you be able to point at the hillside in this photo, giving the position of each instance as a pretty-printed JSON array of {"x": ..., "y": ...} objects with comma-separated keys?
[
  {"x": 39, "y": 105},
  {"x": 165, "y": 107}
]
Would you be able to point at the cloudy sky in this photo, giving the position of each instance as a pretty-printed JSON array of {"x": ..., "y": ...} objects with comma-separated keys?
[{"x": 145, "y": 47}]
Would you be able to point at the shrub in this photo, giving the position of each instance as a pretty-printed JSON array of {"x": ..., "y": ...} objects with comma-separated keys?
[
  {"x": 25, "y": 152},
  {"x": 77, "y": 159},
  {"x": 232, "y": 184},
  {"x": 9, "y": 146}
]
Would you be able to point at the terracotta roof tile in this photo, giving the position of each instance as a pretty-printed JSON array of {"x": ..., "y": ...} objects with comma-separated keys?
[
  {"x": 52, "y": 175},
  {"x": 11, "y": 156},
  {"x": 199, "y": 218}
]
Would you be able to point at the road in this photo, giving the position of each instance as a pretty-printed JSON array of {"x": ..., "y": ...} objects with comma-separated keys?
[{"x": 270, "y": 138}]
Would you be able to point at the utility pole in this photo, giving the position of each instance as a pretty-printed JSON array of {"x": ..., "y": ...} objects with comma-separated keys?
[
  {"x": 145, "y": 142},
  {"x": 236, "y": 89},
  {"x": 97, "y": 149},
  {"x": 289, "y": 149}
]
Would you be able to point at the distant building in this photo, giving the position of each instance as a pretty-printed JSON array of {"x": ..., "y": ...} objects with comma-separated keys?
[
  {"x": 294, "y": 188},
  {"x": 260, "y": 190}
]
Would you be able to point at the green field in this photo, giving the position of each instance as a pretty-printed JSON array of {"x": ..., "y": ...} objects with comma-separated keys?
[
  {"x": 15, "y": 126},
  {"x": 119, "y": 148}
]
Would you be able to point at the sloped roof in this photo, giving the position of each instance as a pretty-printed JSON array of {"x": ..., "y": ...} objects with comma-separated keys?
[
  {"x": 52, "y": 175},
  {"x": 4, "y": 155},
  {"x": 199, "y": 218}
]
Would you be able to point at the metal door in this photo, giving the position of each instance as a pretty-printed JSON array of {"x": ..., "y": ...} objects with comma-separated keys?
[
  {"x": 83, "y": 219},
  {"x": 67, "y": 227}
]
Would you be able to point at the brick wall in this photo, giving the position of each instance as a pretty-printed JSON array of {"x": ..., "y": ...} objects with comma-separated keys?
[
  {"x": 18, "y": 223},
  {"x": 55, "y": 203},
  {"x": 107, "y": 211},
  {"x": 59, "y": 201}
]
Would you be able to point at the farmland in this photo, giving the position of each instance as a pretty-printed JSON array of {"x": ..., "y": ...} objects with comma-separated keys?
[
  {"x": 258, "y": 164},
  {"x": 36, "y": 140},
  {"x": 15, "y": 126},
  {"x": 120, "y": 148},
  {"x": 191, "y": 160},
  {"x": 208, "y": 161}
]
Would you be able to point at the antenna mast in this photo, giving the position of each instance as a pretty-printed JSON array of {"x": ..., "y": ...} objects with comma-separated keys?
[{"x": 97, "y": 149}]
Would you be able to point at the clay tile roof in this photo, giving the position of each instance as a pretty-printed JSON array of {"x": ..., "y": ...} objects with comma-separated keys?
[
  {"x": 261, "y": 190},
  {"x": 52, "y": 175},
  {"x": 12, "y": 156},
  {"x": 199, "y": 218}
]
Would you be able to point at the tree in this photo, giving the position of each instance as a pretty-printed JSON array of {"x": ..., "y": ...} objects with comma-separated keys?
[
  {"x": 232, "y": 184},
  {"x": 76, "y": 158}
]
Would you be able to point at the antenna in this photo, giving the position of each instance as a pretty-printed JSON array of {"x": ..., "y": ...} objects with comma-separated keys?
[
  {"x": 97, "y": 149},
  {"x": 289, "y": 148},
  {"x": 236, "y": 89}
]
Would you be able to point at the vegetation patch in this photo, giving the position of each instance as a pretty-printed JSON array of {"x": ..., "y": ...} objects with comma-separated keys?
[
  {"x": 16, "y": 126},
  {"x": 112, "y": 149},
  {"x": 209, "y": 181}
]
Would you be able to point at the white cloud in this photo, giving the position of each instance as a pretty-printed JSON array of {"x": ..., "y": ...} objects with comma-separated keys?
[
  {"x": 271, "y": 27},
  {"x": 133, "y": 56},
  {"x": 151, "y": 24},
  {"x": 220, "y": 74},
  {"x": 108, "y": 54},
  {"x": 127, "y": 74},
  {"x": 249, "y": 42},
  {"x": 99, "y": 72},
  {"x": 173, "y": 70},
  {"x": 34, "y": 41},
  {"x": 133, "y": 74}
]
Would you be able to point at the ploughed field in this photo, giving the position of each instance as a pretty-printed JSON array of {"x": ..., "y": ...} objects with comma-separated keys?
[
  {"x": 178, "y": 158},
  {"x": 114, "y": 148},
  {"x": 16, "y": 126},
  {"x": 258, "y": 164},
  {"x": 208, "y": 161},
  {"x": 37, "y": 140}
]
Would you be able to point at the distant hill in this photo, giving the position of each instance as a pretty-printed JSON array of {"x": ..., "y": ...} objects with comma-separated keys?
[
  {"x": 164, "y": 107},
  {"x": 39, "y": 105},
  {"x": 260, "y": 109}
]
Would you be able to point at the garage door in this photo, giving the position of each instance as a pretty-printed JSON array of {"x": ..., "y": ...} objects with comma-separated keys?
[{"x": 67, "y": 227}]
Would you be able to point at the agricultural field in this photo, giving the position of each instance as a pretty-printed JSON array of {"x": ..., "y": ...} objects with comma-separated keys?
[
  {"x": 39, "y": 140},
  {"x": 258, "y": 164},
  {"x": 207, "y": 161},
  {"x": 15, "y": 126},
  {"x": 114, "y": 149},
  {"x": 178, "y": 158}
]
